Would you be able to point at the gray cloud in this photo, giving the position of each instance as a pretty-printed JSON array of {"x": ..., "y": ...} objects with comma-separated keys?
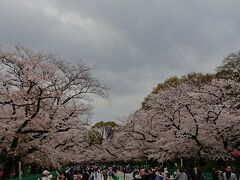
[{"x": 131, "y": 45}]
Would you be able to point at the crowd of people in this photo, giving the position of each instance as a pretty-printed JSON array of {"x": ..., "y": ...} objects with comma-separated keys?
[
  {"x": 78, "y": 172},
  {"x": 226, "y": 174}
]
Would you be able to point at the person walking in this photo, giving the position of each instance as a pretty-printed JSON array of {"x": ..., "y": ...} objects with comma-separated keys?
[
  {"x": 181, "y": 175},
  {"x": 228, "y": 174},
  {"x": 46, "y": 175},
  {"x": 143, "y": 174}
]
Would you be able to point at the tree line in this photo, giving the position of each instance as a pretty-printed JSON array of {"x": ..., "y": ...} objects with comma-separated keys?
[{"x": 45, "y": 105}]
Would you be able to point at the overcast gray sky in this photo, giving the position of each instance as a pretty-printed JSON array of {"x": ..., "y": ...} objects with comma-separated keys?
[{"x": 131, "y": 44}]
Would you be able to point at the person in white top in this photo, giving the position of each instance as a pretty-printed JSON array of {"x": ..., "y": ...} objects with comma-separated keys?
[{"x": 46, "y": 175}]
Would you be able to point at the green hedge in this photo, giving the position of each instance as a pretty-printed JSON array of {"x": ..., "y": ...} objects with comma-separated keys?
[{"x": 29, "y": 177}]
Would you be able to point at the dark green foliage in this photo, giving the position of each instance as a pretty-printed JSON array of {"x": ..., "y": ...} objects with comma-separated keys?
[
  {"x": 102, "y": 124},
  {"x": 230, "y": 68},
  {"x": 100, "y": 131},
  {"x": 94, "y": 137}
]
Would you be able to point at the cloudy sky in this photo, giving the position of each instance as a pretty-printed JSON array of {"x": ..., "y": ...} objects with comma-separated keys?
[{"x": 131, "y": 44}]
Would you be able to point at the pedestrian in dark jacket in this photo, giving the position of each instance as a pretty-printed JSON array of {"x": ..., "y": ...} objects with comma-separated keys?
[{"x": 181, "y": 175}]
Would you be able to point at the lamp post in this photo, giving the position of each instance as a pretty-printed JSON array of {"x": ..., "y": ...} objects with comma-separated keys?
[
  {"x": 181, "y": 162},
  {"x": 19, "y": 170}
]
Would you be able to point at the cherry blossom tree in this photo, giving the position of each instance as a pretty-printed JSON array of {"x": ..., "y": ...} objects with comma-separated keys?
[
  {"x": 125, "y": 144},
  {"x": 44, "y": 104},
  {"x": 198, "y": 118}
]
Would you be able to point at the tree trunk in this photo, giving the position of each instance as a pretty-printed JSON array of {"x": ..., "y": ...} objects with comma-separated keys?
[{"x": 8, "y": 168}]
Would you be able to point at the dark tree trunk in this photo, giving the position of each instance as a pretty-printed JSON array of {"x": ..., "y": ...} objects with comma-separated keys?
[{"x": 8, "y": 168}]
